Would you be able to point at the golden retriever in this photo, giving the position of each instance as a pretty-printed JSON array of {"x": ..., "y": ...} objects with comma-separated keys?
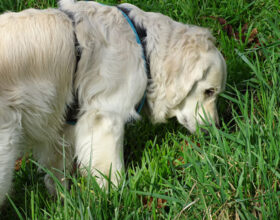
[{"x": 39, "y": 79}]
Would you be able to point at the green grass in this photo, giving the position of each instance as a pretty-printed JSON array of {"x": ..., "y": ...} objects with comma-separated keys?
[{"x": 230, "y": 173}]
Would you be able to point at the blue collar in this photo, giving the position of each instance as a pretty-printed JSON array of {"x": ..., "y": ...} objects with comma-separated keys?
[{"x": 140, "y": 35}]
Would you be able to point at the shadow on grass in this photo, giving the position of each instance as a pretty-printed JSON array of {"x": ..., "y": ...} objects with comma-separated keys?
[
  {"x": 27, "y": 180},
  {"x": 142, "y": 134}
]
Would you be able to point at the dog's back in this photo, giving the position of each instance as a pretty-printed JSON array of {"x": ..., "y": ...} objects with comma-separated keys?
[{"x": 36, "y": 62}]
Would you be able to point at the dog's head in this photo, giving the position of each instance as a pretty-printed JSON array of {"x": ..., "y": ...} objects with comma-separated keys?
[{"x": 194, "y": 76}]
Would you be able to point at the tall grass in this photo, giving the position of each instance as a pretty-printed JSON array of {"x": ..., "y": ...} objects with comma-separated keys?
[{"x": 231, "y": 173}]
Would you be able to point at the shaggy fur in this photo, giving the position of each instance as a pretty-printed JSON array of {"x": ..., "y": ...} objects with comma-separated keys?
[
  {"x": 36, "y": 70},
  {"x": 37, "y": 64}
]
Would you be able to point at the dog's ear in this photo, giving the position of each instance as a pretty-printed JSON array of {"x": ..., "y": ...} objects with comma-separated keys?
[
  {"x": 184, "y": 65},
  {"x": 182, "y": 72}
]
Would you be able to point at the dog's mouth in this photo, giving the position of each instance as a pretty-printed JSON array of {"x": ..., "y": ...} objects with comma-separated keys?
[
  {"x": 184, "y": 121},
  {"x": 192, "y": 126},
  {"x": 206, "y": 127}
]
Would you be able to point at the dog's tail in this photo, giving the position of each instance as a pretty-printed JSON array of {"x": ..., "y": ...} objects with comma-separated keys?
[{"x": 66, "y": 4}]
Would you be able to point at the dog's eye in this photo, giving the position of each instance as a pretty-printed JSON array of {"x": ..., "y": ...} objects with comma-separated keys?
[{"x": 209, "y": 92}]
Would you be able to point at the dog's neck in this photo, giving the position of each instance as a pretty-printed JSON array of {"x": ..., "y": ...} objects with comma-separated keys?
[
  {"x": 159, "y": 29},
  {"x": 72, "y": 112},
  {"x": 155, "y": 45},
  {"x": 142, "y": 34}
]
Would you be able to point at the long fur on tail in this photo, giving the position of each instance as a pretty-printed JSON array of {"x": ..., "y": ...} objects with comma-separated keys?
[{"x": 66, "y": 4}]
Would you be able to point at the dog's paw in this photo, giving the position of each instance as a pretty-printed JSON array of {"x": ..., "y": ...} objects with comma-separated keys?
[
  {"x": 102, "y": 179},
  {"x": 50, "y": 185}
]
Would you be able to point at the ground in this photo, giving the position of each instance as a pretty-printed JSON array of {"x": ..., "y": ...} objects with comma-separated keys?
[{"x": 231, "y": 173}]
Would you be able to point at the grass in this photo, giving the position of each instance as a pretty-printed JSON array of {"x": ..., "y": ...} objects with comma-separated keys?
[{"x": 231, "y": 173}]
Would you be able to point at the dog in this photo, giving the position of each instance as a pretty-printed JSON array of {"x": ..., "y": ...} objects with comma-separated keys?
[{"x": 109, "y": 59}]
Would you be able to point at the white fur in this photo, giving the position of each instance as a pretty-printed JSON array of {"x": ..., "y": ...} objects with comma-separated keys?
[{"x": 36, "y": 70}]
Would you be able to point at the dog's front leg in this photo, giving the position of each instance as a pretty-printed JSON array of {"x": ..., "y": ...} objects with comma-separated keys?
[
  {"x": 10, "y": 135},
  {"x": 99, "y": 145}
]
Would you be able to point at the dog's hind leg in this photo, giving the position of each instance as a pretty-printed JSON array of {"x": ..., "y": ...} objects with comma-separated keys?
[
  {"x": 99, "y": 145},
  {"x": 10, "y": 129},
  {"x": 56, "y": 158}
]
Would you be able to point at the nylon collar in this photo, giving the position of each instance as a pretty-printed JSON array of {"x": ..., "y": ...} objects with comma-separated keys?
[{"x": 140, "y": 35}]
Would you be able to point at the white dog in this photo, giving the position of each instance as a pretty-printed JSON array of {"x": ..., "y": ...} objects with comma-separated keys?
[{"x": 37, "y": 68}]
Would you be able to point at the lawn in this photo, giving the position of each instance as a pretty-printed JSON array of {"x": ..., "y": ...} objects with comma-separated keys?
[{"x": 231, "y": 173}]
